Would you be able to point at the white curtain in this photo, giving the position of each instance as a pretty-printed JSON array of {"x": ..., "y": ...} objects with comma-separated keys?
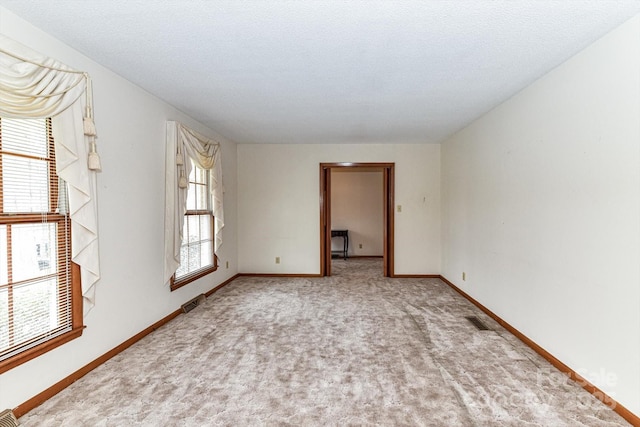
[
  {"x": 184, "y": 144},
  {"x": 34, "y": 86}
]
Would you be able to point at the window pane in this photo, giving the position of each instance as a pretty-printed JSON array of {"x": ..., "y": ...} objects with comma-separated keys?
[
  {"x": 206, "y": 253},
  {"x": 205, "y": 226},
  {"x": 195, "y": 256},
  {"x": 191, "y": 198},
  {"x": 35, "y": 308},
  {"x": 25, "y": 184},
  {"x": 200, "y": 175},
  {"x": 25, "y": 136},
  {"x": 197, "y": 251},
  {"x": 197, "y": 197},
  {"x": 193, "y": 225},
  {"x": 201, "y": 196},
  {"x": 35, "y": 279},
  {"x": 189, "y": 259},
  {"x": 34, "y": 251},
  {"x": 183, "y": 268}
]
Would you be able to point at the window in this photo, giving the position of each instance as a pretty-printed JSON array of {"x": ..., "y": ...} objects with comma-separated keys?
[
  {"x": 40, "y": 296},
  {"x": 197, "y": 257}
]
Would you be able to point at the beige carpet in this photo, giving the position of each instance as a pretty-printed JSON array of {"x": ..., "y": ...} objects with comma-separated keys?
[{"x": 353, "y": 349}]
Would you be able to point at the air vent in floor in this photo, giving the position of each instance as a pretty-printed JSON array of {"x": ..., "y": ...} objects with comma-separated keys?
[
  {"x": 478, "y": 323},
  {"x": 190, "y": 305},
  {"x": 7, "y": 419}
]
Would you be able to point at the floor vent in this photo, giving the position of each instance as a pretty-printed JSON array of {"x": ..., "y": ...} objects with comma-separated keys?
[
  {"x": 189, "y": 305},
  {"x": 7, "y": 419},
  {"x": 478, "y": 323}
]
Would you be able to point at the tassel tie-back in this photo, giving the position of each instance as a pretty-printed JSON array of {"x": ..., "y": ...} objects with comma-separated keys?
[
  {"x": 33, "y": 86},
  {"x": 45, "y": 97},
  {"x": 179, "y": 159},
  {"x": 182, "y": 182},
  {"x": 93, "y": 158}
]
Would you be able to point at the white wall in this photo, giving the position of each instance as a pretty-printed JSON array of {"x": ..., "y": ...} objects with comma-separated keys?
[
  {"x": 279, "y": 204},
  {"x": 130, "y": 296},
  {"x": 357, "y": 205},
  {"x": 541, "y": 209}
]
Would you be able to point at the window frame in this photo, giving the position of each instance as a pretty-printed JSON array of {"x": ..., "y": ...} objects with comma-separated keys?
[
  {"x": 177, "y": 283},
  {"x": 64, "y": 258}
]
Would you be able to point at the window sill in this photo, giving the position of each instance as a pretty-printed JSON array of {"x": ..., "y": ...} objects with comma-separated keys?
[
  {"x": 39, "y": 350},
  {"x": 192, "y": 277}
]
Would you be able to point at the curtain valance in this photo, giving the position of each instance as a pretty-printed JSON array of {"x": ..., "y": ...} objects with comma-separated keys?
[
  {"x": 184, "y": 143},
  {"x": 35, "y": 86}
]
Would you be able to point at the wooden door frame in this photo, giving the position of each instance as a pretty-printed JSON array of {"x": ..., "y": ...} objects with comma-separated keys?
[{"x": 388, "y": 172}]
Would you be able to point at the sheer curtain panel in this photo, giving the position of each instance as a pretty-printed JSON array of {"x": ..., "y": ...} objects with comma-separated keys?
[{"x": 35, "y": 86}]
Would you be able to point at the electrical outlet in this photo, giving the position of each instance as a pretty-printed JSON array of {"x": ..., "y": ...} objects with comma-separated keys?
[
  {"x": 227, "y": 264},
  {"x": 360, "y": 246},
  {"x": 464, "y": 276},
  {"x": 277, "y": 260}
]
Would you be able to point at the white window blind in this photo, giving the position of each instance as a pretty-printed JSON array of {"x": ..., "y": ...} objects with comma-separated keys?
[{"x": 35, "y": 248}]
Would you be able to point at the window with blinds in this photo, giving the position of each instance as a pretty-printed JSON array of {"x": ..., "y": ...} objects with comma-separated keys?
[
  {"x": 40, "y": 301},
  {"x": 197, "y": 257}
]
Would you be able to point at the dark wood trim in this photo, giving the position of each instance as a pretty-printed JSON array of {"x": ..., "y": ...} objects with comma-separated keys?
[
  {"x": 325, "y": 221},
  {"x": 177, "y": 284},
  {"x": 66, "y": 275},
  {"x": 358, "y": 165},
  {"x": 40, "y": 398},
  {"x": 39, "y": 350},
  {"x": 389, "y": 220},
  {"x": 365, "y": 256},
  {"x": 32, "y": 217},
  {"x": 77, "y": 327},
  {"x": 65, "y": 382},
  {"x": 51, "y": 160},
  {"x": 192, "y": 277},
  {"x": 221, "y": 285},
  {"x": 417, "y": 276},
  {"x": 583, "y": 382},
  {"x": 632, "y": 418},
  {"x": 1, "y": 171},
  {"x": 388, "y": 170},
  {"x": 77, "y": 309},
  {"x": 278, "y": 275}
]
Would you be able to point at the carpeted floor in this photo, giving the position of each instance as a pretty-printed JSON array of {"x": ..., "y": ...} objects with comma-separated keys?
[{"x": 351, "y": 349}]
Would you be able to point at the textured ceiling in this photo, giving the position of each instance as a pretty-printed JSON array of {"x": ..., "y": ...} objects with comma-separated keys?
[{"x": 329, "y": 71}]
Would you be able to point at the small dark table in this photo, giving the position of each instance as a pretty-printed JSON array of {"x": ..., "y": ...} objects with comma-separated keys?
[{"x": 345, "y": 238}]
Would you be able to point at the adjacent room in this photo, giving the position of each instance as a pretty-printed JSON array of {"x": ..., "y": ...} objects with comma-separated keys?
[
  {"x": 357, "y": 212},
  {"x": 319, "y": 213}
]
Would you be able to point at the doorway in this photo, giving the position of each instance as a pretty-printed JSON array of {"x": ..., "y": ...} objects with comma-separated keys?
[{"x": 325, "y": 212}]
